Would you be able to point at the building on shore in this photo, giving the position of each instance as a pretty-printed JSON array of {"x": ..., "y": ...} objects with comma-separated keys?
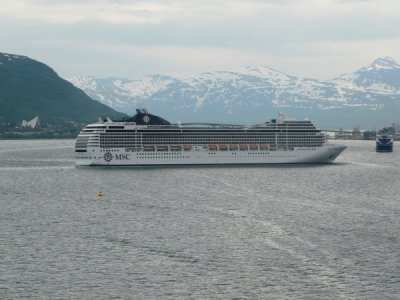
[
  {"x": 343, "y": 134},
  {"x": 357, "y": 134},
  {"x": 34, "y": 123}
]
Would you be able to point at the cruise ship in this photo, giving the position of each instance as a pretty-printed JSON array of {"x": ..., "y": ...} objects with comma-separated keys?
[{"x": 146, "y": 139}]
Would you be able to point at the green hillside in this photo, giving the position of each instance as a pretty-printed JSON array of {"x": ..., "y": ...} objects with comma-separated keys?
[{"x": 29, "y": 88}]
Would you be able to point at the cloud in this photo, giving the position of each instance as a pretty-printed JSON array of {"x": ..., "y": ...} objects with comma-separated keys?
[
  {"x": 323, "y": 60},
  {"x": 242, "y": 21},
  {"x": 157, "y": 11},
  {"x": 105, "y": 59},
  {"x": 66, "y": 12},
  {"x": 125, "y": 12},
  {"x": 188, "y": 36}
]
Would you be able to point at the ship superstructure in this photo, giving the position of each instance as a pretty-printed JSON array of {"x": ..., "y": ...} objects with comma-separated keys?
[
  {"x": 384, "y": 143},
  {"x": 146, "y": 139}
]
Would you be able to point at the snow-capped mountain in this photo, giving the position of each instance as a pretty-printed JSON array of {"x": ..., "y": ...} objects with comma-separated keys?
[
  {"x": 367, "y": 97},
  {"x": 122, "y": 94},
  {"x": 383, "y": 75}
]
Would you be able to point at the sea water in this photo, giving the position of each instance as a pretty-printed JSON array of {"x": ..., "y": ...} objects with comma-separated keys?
[{"x": 276, "y": 232}]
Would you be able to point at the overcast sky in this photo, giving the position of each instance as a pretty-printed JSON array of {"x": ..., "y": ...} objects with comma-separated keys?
[{"x": 313, "y": 38}]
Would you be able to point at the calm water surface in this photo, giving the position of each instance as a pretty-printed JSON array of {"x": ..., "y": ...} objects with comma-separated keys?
[{"x": 278, "y": 232}]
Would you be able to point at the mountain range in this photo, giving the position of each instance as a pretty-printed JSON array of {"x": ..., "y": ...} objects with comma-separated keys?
[
  {"x": 367, "y": 97},
  {"x": 29, "y": 88}
]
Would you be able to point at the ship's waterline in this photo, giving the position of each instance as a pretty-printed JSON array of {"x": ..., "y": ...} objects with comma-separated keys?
[{"x": 146, "y": 139}]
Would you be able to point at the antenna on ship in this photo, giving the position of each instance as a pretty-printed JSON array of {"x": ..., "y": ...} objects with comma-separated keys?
[{"x": 141, "y": 111}]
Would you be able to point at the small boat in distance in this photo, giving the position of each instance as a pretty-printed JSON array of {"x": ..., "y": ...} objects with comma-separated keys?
[{"x": 384, "y": 143}]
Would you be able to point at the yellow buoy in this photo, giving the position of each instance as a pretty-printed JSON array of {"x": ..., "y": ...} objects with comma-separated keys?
[{"x": 100, "y": 194}]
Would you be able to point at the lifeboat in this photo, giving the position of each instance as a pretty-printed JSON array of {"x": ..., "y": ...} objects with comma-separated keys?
[
  {"x": 148, "y": 148},
  {"x": 243, "y": 147},
  {"x": 233, "y": 147},
  {"x": 253, "y": 147},
  {"x": 212, "y": 147},
  {"x": 162, "y": 148},
  {"x": 175, "y": 147},
  {"x": 263, "y": 146},
  {"x": 187, "y": 147},
  {"x": 223, "y": 147}
]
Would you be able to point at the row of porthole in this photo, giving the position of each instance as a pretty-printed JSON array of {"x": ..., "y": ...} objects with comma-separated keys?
[
  {"x": 163, "y": 157},
  {"x": 213, "y": 151},
  {"x": 213, "y": 138},
  {"x": 175, "y": 156},
  {"x": 183, "y": 137},
  {"x": 218, "y": 140},
  {"x": 225, "y": 156},
  {"x": 155, "y": 156},
  {"x": 234, "y": 153},
  {"x": 254, "y": 155},
  {"x": 133, "y": 145}
]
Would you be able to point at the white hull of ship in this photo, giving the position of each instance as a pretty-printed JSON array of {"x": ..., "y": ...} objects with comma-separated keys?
[{"x": 200, "y": 156}]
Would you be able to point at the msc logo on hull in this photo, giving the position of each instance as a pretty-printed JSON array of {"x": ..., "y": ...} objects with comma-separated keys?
[
  {"x": 108, "y": 156},
  {"x": 122, "y": 156}
]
